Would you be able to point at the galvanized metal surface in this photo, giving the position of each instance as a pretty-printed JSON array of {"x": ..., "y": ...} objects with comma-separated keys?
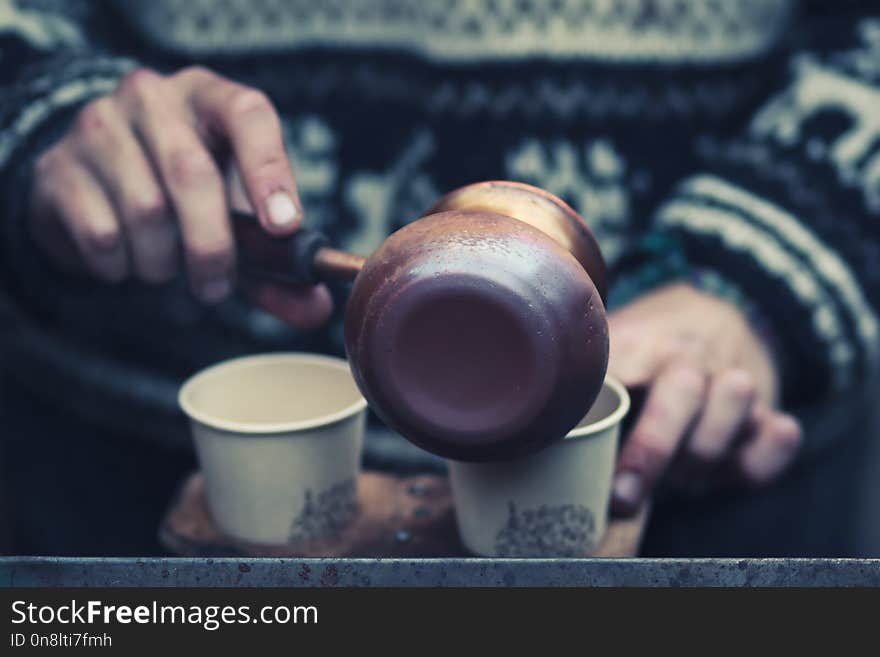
[{"x": 53, "y": 571}]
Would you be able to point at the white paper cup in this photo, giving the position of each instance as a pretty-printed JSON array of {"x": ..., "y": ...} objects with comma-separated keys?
[
  {"x": 550, "y": 504},
  {"x": 279, "y": 438}
]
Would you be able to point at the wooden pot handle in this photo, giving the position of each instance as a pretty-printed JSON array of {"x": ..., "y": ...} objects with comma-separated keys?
[{"x": 304, "y": 258}]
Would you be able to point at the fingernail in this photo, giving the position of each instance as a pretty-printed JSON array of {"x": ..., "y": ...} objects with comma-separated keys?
[
  {"x": 216, "y": 290},
  {"x": 628, "y": 488},
  {"x": 281, "y": 208}
]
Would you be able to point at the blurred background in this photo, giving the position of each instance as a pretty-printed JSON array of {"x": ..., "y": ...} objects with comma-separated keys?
[{"x": 622, "y": 108}]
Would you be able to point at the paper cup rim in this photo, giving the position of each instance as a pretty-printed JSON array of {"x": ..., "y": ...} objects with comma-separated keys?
[
  {"x": 267, "y": 428},
  {"x": 610, "y": 420}
]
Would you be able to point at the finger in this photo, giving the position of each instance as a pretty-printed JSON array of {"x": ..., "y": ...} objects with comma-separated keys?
[
  {"x": 67, "y": 194},
  {"x": 106, "y": 143},
  {"x": 631, "y": 357},
  {"x": 635, "y": 361},
  {"x": 249, "y": 123},
  {"x": 630, "y": 361},
  {"x": 771, "y": 450},
  {"x": 44, "y": 223},
  {"x": 728, "y": 407},
  {"x": 235, "y": 192},
  {"x": 194, "y": 186},
  {"x": 303, "y": 307},
  {"x": 673, "y": 403}
]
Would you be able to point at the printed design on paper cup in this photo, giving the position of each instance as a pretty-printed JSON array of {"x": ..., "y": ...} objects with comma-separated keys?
[
  {"x": 566, "y": 530},
  {"x": 326, "y": 514}
]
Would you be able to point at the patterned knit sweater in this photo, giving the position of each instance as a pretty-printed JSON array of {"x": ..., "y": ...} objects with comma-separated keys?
[{"x": 735, "y": 144}]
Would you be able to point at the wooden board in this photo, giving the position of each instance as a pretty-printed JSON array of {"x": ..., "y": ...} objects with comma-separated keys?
[{"x": 399, "y": 517}]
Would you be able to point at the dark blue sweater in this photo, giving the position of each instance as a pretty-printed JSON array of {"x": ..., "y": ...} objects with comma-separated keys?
[{"x": 735, "y": 144}]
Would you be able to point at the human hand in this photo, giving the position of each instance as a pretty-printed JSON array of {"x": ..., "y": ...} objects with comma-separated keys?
[
  {"x": 711, "y": 385},
  {"x": 137, "y": 187}
]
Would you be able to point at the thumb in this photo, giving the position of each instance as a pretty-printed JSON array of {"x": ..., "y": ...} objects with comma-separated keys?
[{"x": 632, "y": 357}]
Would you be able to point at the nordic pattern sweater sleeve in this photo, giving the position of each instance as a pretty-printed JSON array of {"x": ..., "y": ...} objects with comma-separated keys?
[
  {"x": 53, "y": 59},
  {"x": 788, "y": 212}
]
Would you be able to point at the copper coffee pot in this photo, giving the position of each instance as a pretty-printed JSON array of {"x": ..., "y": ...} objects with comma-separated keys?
[{"x": 478, "y": 331}]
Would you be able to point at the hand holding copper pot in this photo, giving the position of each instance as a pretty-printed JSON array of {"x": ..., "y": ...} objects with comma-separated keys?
[{"x": 478, "y": 331}]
